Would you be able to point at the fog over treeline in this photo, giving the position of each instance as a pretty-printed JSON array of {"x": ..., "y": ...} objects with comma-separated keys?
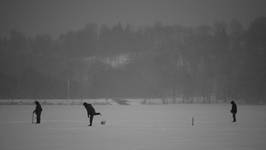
[{"x": 219, "y": 61}]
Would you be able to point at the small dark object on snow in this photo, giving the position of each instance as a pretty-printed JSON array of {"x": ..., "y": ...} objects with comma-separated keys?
[{"x": 103, "y": 122}]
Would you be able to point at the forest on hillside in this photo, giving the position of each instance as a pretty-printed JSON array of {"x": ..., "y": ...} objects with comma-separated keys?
[{"x": 221, "y": 61}]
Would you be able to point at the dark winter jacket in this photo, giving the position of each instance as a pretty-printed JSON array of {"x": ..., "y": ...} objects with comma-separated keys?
[
  {"x": 234, "y": 107},
  {"x": 89, "y": 108},
  {"x": 38, "y": 108}
]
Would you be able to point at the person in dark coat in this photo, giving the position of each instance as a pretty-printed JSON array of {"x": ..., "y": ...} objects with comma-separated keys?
[
  {"x": 37, "y": 111},
  {"x": 234, "y": 110},
  {"x": 90, "y": 112}
]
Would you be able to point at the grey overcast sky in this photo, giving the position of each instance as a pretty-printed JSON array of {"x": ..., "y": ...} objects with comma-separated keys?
[{"x": 59, "y": 16}]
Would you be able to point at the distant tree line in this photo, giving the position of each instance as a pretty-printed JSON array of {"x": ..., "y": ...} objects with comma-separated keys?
[{"x": 221, "y": 61}]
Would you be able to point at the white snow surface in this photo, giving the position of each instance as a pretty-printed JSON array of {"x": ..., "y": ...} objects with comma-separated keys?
[{"x": 134, "y": 127}]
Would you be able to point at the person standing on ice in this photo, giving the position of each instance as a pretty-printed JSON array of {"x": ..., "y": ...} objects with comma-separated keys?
[
  {"x": 90, "y": 111},
  {"x": 37, "y": 111},
  {"x": 234, "y": 110}
]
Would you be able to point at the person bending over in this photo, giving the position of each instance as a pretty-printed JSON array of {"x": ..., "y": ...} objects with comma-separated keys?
[{"x": 90, "y": 111}]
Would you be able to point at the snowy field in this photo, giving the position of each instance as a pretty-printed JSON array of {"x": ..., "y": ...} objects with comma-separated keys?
[{"x": 134, "y": 127}]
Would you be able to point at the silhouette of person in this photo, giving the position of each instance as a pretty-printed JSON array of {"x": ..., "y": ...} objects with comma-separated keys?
[
  {"x": 234, "y": 110},
  {"x": 38, "y": 111},
  {"x": 90, "y": 111}
]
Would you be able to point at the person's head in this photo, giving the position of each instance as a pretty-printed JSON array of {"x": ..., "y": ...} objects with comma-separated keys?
[
  {"x": 84, "y": 104},
  {"x": 36, "y": 103},
  {"x": 232, "y": 102}
]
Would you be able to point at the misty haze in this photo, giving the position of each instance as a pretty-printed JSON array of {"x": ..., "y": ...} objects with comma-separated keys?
[{"x": 204, "y": 63}]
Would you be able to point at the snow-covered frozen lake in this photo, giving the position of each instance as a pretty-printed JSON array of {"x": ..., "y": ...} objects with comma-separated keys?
[{"x": 135, "y": 127}]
